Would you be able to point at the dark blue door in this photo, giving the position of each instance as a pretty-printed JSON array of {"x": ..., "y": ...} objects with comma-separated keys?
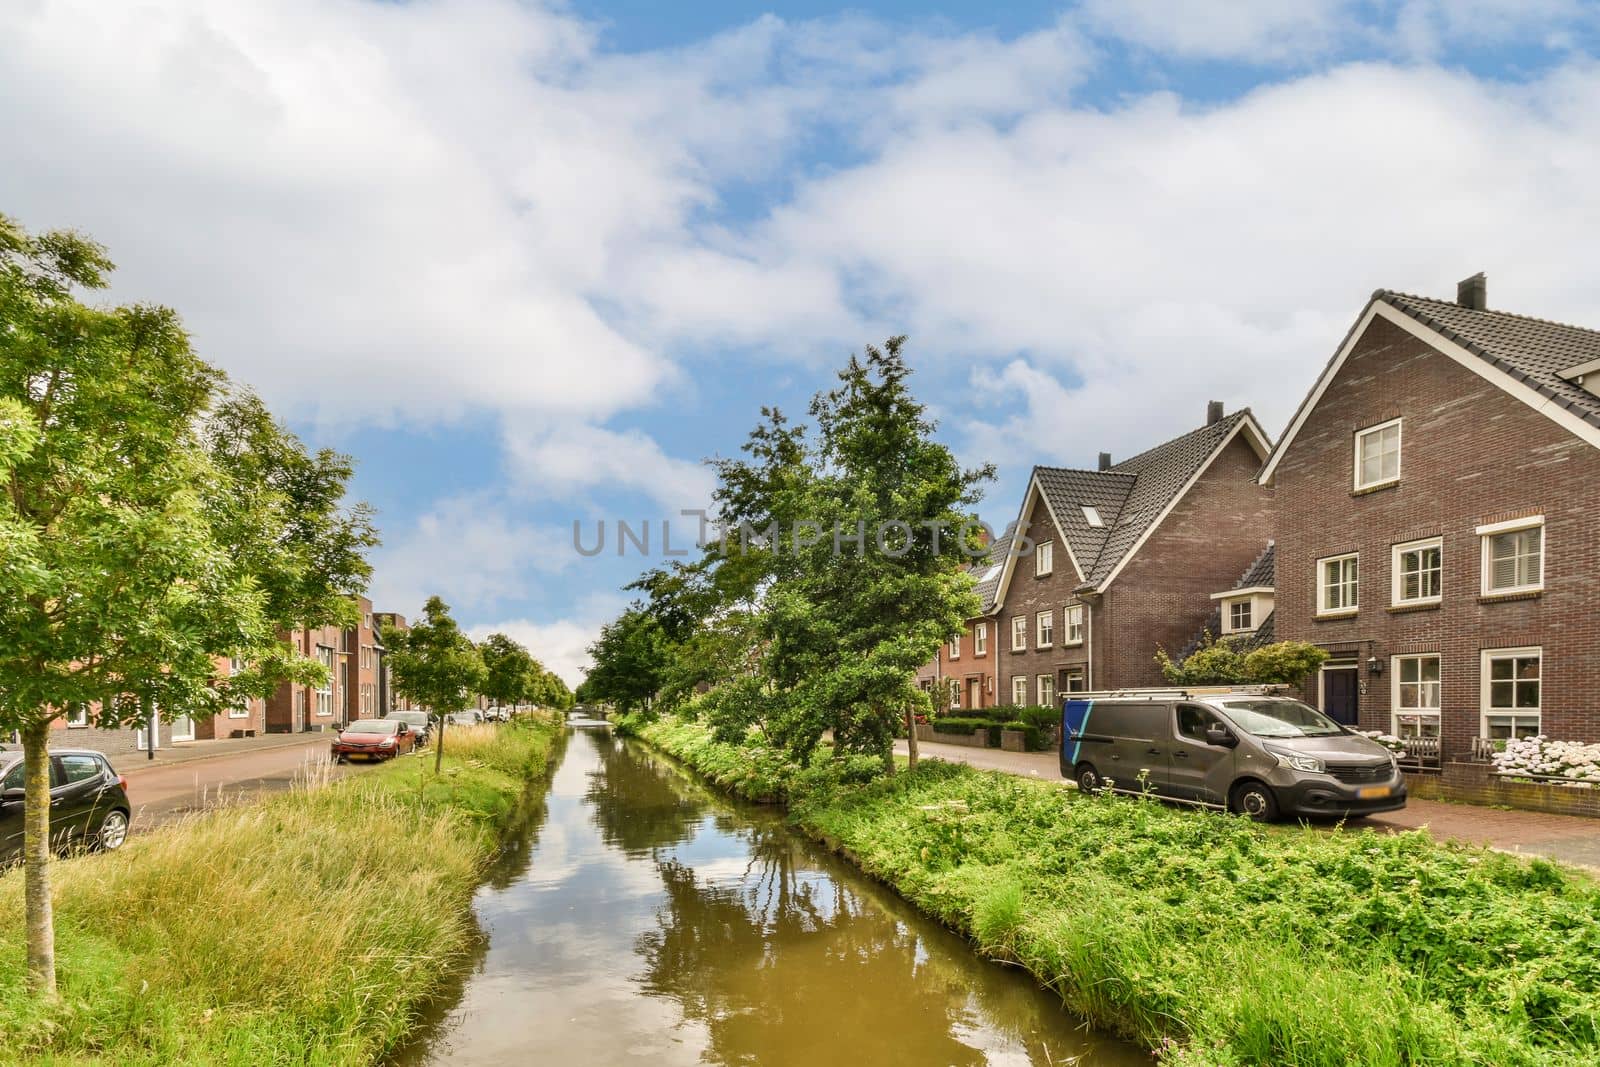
[{"x": 1341, "y": 696}]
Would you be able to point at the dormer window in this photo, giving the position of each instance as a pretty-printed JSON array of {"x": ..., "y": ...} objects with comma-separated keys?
[
  {"x": 1092, "y": 516},
  {"x": 1239, "y": 616}
]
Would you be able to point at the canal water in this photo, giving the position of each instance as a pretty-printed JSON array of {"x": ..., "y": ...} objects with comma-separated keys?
[{"x": 639, "y": 918}]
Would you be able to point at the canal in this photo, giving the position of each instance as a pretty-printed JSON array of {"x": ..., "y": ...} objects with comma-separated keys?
[{"x": 638, "y": 917}]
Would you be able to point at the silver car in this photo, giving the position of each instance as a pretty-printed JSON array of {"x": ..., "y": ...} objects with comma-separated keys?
[{"x": 1255, "y": 753}]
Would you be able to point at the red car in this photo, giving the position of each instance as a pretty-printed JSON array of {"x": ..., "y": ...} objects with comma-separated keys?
[{"x": 373, "y": 739}]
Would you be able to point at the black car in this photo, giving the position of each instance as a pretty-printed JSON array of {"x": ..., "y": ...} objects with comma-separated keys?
[{"x": 88, "y": 802}]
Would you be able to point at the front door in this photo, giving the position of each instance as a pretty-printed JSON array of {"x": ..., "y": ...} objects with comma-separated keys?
[
  {"x": 974, "y": 692},
  {"x": 1341, "y": 694}
]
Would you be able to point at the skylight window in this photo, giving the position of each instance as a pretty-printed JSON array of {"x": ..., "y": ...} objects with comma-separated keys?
[{"x": 1091, "y": 516}]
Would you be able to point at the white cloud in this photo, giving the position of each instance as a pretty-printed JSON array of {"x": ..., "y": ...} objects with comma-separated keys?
[
  {"x": 470, "y": 552},
  {"x": 1252, "y": 30},
  {"x": 568, "y": 460},
  {"x": 562, "y": 645}
]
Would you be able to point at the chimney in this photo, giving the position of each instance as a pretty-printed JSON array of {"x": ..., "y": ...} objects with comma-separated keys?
[
  {"x": 1473, "y": 292},
  {"x": 1213, "y": 412},
  {"x": 1105, "y": 461}
]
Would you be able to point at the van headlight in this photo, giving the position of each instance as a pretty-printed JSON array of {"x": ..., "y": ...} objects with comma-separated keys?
[{"x": 1297, "y": 760}]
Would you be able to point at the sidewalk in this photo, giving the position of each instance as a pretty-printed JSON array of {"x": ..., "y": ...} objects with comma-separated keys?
[
  {"x": 1567, "y": 838},
  {"x": 190, "y": 751}
]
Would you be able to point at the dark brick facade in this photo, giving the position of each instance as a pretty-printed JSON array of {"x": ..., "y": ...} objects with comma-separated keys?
[
  {"x": 1160, "y": 598},
  {"x": 1471, "y": 455}
]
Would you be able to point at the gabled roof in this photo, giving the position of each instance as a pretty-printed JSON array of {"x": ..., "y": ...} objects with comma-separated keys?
[
  {"x": 1531, "y": 359},
  {"x": 1132, "y": 498},
  {"x": 987, "y": 570},
  {"x": 1259, "y": 573}
]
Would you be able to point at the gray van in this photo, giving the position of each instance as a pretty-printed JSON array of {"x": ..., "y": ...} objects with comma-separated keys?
[{"x": 1250, "y": 751}]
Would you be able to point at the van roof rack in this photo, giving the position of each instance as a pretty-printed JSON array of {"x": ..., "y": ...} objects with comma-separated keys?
[{"x": 1177, "y": 692}]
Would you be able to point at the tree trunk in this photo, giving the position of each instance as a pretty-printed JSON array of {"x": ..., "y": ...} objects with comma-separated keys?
[
  {"x": 438, "y": 751},
  {"x": 911, "y": 737},
  {"x": 36, "y": 860},
  {"x": 888, "y": 757}
]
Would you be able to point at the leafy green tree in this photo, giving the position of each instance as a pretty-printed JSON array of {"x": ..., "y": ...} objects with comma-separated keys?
[
  {"x": 630, "y": 659},
  {"x": 1226, "y": 661},
  {"x": 132, "y": 554},
  {"x": 436, "y": 665},
  {"x": 864, "y": 580},
  {"x": 510, "y": 674},
  {"x": 1283, "y": 663}
]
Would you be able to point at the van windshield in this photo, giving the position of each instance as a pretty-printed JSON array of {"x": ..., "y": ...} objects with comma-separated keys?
[{"x": 1269, "y": 717}]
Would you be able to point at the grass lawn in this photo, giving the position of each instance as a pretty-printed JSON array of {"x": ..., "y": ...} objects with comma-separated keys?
[
  {"x": 307, "y": 928},
  {"x": 1206, "y": 937}
]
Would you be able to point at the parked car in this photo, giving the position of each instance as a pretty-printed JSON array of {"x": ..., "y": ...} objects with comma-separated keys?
[
  {"x": 470, "y": 717},
  {"x": 88, "y": 802},
  {"x": 1251, "y": 752},
  {"x": 373, "y": 739},
  {"x": 421, "y": 724}
]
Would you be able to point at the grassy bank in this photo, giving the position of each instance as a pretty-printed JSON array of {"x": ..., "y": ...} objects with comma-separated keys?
[
  {"x": 304, "y": 929},
  {"x": 1207, "y": 937}
]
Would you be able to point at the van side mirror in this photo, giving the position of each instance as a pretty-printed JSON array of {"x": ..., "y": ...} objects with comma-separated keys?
[{"x": 1218, "y": 734}]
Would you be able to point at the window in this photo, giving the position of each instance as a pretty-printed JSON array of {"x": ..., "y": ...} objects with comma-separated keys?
[
  {"x": 1378, "y": 455},
  {"x": 1511, "y": 691},
  {"x": 955, "y": 693},
  {"x": 1019, "y": 689},
  {"x": 235, "y": 665},
  {"x": 14, "y": 777},
  {"x": 324, "y": 691},
  {"x": 980, "y": 639},
  {"x": 77, "y": 715},
  {"x": 241, "y": 710},
  {"x": 1091, "y": 516},
  {"x": 1075, "y": 682},
  {"x": 1044, "y": 557},
  {"x": 1337, "y": 585},
  {"x": 1193, "y": 721},
  {"x": 955, "y": 647},
  {"x": 1072, "y": 622},
  {"x": 1513, "y": 556},
  {"x": 1047, "y": 690},
  {"x": 1019, "y": 633},
  {"x": 1239, "y": 616},
  {"x": 1045, "y": 623},
  {"x": 81, "y": 769},
  {"x": 1416, "y": 696},
  {"x": 1418, "y": 569}
]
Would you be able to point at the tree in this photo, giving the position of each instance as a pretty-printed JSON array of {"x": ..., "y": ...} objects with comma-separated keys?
[
  {"x": 131, "y": 556},
  {"x": 510, "y": 675},
  {"x": 436, "y": 665},
  {"x": 630, "y": 659},
  {"x": 1227, "y": 662},
  {"x": 851, "y": 613}
]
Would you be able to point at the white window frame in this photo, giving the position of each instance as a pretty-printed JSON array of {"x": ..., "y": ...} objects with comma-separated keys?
[
  {"x": 980, "y": 639},
  {"x": 1421, "y": 711},
  {"x": 1486, "y": 536},
  {"x": 1046, "y": 682},
  {"x": 954, "y": 686},
  {"x": 1323, "y": 610},
  {"x": 1044, "y": 628},
  {"x": 79, "y": 719},
  {"x": 1397, "y": 597},
  {"x": 324, "y": 692},
  {"x": 1399, "y": 454},
  {"x": 1019, "y": 633},
  {"x": 1230, "y": 625},
  {"x": 1488, "y": 656},
  {"x": 1044, "y": 558},
  {"x": 954, "y": 648},
  {"x": 1091, "y": 515},
  {"x": 1019, "y": 689},
  {"x": 1072, "y": 621}
]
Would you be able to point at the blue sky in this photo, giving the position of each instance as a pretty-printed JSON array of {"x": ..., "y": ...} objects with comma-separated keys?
[{"x": 530, "y": 263}]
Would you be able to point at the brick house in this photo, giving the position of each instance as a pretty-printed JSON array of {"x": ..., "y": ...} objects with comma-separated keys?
[
  {"x": 388, "y": 699},
  {"x": 1438, "y": 533},
  {"x": 249, "y": 719},
  {"x": 965, "y": 665},
  {"x": 358, "y": 664},
  {"x": 1111, "y": 564},
  {"x": 294, "y": 708}
]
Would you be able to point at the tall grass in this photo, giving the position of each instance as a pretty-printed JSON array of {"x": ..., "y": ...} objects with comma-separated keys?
[
  {"x": 308, "y": 928},
  {"x": 1218, "y": 942}
]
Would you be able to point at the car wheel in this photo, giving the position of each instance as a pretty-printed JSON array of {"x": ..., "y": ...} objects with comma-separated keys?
[
  {"x": 1255, "y": 800},
  {"x": 1088, "y": 778},
  {"x": 113, "y": 831}
]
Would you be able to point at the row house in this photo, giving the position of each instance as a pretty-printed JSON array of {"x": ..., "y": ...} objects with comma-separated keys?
[
  {"x": 388, "y": 699},
  {"x": 1108, "y": 566},
  {"x": 1438, "y": 534},
  {"x": 963, "y": 671}
]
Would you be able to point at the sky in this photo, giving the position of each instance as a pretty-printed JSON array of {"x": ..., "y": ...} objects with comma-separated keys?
[{"x": 533, "y": 263}]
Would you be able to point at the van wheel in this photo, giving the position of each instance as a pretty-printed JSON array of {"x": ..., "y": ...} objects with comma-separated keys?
[
  {"x": 1255, "y": 800},
  {"x": 1088, "y": 779}
]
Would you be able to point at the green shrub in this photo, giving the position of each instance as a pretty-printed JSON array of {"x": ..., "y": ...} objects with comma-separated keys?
[
  {"x": 952, "y": 724},
  {"x": 1032, "y": 738}
]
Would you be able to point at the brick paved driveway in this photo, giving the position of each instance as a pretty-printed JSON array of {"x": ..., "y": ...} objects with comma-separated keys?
[{"x": 1567, "y": 838}]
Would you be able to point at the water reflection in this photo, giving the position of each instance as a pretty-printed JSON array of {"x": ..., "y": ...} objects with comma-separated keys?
[{"x": 660, "y": 924}]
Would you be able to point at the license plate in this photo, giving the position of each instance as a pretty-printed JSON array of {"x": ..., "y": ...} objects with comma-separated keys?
[{"x": 1373, "y": 791}]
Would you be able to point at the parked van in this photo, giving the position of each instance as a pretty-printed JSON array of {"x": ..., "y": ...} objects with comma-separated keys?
[{"x": 1251, "y": 751}]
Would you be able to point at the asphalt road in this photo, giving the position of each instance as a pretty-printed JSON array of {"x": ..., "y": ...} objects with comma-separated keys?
[{"x": 161, "y": 793}]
